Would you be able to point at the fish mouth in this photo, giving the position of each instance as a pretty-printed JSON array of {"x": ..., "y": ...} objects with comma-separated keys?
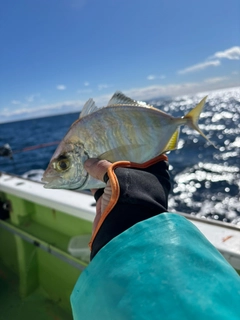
[
  {"x": 58, "y": 183},
  {"x": 48, "y": 184}
]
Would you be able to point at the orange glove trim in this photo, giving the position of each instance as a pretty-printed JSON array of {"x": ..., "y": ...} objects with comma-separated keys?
[{"x": 116, "y": 188}]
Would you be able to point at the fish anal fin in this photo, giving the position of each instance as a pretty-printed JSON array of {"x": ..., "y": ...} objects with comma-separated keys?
[
  {"x": 173, "y": 142},
  {"x": 88, "y": 108}
]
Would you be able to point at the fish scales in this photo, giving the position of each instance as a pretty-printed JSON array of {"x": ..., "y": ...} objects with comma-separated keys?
[
  {"x": 130, "y": 126},
  {"x": 127, "y": 130},
  {"x": 113, "y": 128}
]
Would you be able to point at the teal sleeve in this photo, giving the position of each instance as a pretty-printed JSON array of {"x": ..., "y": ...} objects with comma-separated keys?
[{"x": 161, "y": 268}]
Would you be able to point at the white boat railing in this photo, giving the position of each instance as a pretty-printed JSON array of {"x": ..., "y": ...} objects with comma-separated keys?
[{"x": 224, "y": 236}]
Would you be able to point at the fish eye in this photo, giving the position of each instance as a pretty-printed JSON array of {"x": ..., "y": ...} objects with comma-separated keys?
[{"x": 62, "y": 164}]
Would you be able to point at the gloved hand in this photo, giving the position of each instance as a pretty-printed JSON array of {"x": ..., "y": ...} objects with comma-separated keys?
[{"x": 133, "y": 192}]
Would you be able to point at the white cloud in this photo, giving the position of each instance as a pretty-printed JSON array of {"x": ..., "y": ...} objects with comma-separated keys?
[
  {"x": 86, "y": 83},
  {"x": 231, "y": 54},
  {"x": 200, "y": 66},
  {"x": 153, "y": 77},
  {"x": 15, "y": 102},
  {"x": 29, "y": 99},
  {"x": 19, "y": 103},
  {"x": 142, "y": 93},
  {"x": 156, "y": 91},
  {"x": 44, "y": 110},
  {"x": 61, "y": 87},
  {"x": 215, "y": 80},
  {"x": 103, "y": 86},
  {"x": 32, "y": 97}
]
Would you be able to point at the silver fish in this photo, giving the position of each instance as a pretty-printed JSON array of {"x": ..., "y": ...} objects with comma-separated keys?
[{"x": 123, "y": 130}]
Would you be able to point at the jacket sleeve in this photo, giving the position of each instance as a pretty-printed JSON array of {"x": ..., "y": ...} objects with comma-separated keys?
[{"x": 160, "y": 268}]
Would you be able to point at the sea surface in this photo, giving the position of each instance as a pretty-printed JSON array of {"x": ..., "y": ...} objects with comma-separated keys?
[{"x": 205, "y": 180}]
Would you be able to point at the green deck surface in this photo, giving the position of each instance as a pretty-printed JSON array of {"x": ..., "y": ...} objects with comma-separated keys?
[
  {"x": 36, "y": 306},
  {"x": 37, "y": 273}
]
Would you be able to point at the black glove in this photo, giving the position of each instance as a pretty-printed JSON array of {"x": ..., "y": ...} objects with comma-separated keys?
[{"x": 142, "y": 194}]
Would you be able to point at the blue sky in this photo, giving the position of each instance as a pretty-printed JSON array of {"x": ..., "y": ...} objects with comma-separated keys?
[{"x": 55, "y": 54}]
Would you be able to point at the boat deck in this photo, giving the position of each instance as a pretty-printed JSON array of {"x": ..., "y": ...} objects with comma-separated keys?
[
  {"x": 35, "y": 306},
  {"x": 37, "y": 273}
]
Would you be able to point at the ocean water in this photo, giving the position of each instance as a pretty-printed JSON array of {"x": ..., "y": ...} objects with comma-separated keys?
[{"x": 205, "y": 180}]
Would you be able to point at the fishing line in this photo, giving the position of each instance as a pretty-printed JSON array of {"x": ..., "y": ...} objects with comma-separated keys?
[
  {"x": 7, "y": 152},
  {"x": 42, "y": 145}
]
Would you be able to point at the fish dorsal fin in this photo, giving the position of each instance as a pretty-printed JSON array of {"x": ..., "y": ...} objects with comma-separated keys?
[
  {"x": 173, "y": 142},
  {"x": 119, "y": 99},
  {"x": 88, "y": 108}
]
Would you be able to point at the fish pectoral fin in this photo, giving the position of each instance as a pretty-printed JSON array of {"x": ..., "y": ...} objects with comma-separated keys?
[
  {"x": 88, "y": 108},
  {"x": 127, "y": 152},
  {"x": 173, "y": 142},
  {"x": 119, "y": 99}
]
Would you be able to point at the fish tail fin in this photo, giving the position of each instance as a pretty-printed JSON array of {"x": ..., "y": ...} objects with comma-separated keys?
[{"x": 193, "y": 116}]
